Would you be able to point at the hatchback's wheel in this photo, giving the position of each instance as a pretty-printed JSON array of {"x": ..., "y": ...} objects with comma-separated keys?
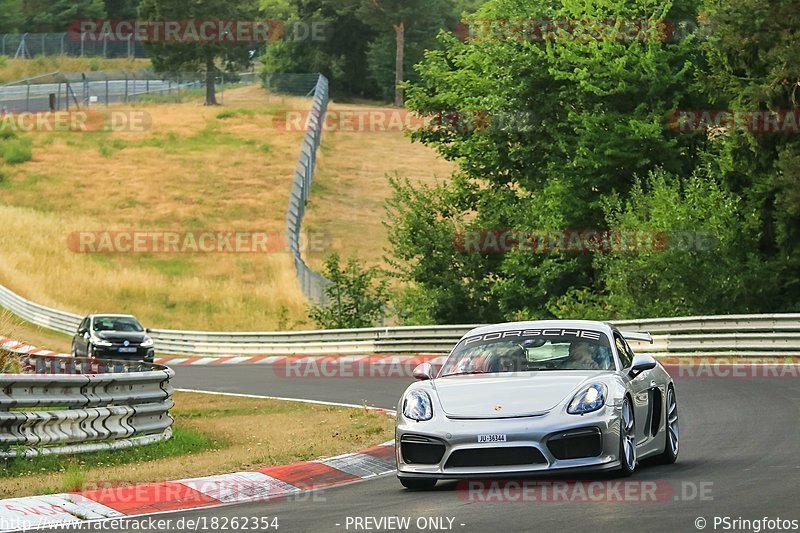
[
  {"x": 418, "y": 484},
  {"x": 627, "y": 440},
  {"x": 74, "y": 351},
  {"x": 671, "y": 447}
]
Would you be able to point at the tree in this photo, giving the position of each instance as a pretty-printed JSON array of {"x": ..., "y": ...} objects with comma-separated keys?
[
  {"x": 356, "y": 298},
  {"x": 341, "y": 56},
  {"x": 692, "y": 251},
  {"x": 10, "y": 16},
  {"x": 753, "y": 56},
  {"x": 122, "y": 9},
  {"x": 199, "y": 56},
  {"x": 403, "y": 16},
  {"x": 572, "y": 121},
  {"x": 48, "y": 16}
]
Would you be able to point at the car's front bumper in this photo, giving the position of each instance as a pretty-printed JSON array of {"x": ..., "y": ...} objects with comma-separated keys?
[
  {"x": 522, "y": 434},
  {"x": 141, "y": 354}
]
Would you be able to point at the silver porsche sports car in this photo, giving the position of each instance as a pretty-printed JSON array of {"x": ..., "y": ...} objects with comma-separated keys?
[{"x": 531, "y": 397}]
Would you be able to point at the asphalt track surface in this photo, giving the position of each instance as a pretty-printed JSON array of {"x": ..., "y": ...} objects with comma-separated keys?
[{"x": 739, "y": 458}]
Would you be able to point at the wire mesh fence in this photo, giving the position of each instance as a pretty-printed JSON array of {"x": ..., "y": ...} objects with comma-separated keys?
[
  {"x": 28, "y": 45},
  {"x": 312, "y": 283},
  {"x": 58, "y": 91}
]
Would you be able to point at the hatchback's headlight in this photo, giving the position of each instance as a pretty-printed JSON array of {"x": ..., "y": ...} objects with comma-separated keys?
[
  {"x": 589, "y": 399},
  {"x": 417, "y": 406},
  {"x": 147, "y": 342},
  {"x": 97, "y": 341}
]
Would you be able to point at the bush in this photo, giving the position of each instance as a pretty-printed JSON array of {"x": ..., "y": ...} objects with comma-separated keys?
[
  {"x": 16, "y": 151},
  {"x": 704, "y": 259},
  {"x": 356, "y": 298}
]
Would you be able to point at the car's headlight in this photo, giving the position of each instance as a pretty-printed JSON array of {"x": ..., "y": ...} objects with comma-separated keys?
[
  {"x": 589, "y": 399},
  {"x": 147, "y": 342},
  {"x": 417, "y": 406},
  {"x": 97, "y": 341}
]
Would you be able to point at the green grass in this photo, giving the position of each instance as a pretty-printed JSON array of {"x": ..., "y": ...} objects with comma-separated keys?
[
  {"x": 72, "y": 467},
  {"x": 175, "y": 97},
  {"x": 15, "y": 151},
  {"x": 236, "y": 113}
]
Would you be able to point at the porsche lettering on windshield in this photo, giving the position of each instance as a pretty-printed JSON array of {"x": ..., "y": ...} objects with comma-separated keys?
[{"x": 552, "y": 332}]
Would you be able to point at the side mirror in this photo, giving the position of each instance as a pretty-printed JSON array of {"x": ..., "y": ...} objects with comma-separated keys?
[
  {"x": 642, "y": 363},
  {"x": 147, "y": 330},
  {"x": 423, "y": 371}
]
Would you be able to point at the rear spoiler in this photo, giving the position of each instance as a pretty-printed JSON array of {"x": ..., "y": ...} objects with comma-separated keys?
[{"x": 636, "y": 336}]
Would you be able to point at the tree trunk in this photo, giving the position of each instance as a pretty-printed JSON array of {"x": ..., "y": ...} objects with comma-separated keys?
[
  {"x": 211, "y": 91},
  {"x": 400, "y": 38}
]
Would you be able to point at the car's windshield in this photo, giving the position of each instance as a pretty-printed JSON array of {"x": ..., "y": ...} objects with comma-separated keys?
[
  {"x": 116, "y": 323},
  {"x": 530, "y": 350}
]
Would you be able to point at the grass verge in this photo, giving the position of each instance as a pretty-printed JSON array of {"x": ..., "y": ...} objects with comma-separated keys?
[
  {"x": 16, "y": 69},
  {"x": 195, "y": 168},
  {"x": 213, "y": 435}
]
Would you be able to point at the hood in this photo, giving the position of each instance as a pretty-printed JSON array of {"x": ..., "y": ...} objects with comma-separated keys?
[
  {"x": 122, "y": 336},
  {"x": 516, "y": 393}
]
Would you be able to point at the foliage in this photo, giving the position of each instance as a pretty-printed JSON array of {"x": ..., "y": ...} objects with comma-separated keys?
[
  {"x": 199, "y": 56},
  {"x": 15, "y": 150},
  {"x": 356, "y": 297},
  {"x": 571, "y": 124},
  {"x": 53, "y": 16}
]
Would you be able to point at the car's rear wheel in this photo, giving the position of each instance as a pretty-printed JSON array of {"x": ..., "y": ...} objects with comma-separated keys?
[
  {"x": 418, "y": 484},
  {"x": 628, "y": 458},
  {"x": 672, "y": 445}
]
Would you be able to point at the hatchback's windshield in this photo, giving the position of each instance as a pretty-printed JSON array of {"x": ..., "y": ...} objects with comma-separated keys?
[
  {"x": 530, "y": 350},
  {"x": 105, "y": 323}
]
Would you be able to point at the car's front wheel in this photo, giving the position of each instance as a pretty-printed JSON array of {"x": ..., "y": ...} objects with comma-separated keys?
[
  {"x": 417, "y": 484},
  {"x": 627, "y": 440}
]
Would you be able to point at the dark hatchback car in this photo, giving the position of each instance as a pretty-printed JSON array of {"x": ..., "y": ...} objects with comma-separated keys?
[{"x": 113, "y": 337}]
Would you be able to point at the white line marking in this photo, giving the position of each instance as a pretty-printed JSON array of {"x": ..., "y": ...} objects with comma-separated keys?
[{"x": 300, "y": 400}]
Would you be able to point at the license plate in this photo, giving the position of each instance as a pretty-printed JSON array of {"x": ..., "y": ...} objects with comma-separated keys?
[
  {"x": 497, "y": 437},
  {"x": 130, "y": 349}
]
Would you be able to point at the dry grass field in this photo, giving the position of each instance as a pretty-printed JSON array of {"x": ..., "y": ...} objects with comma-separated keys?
[
  {"x": 196, "y": 168},
  {"x": 213, "y": 435},
  {"x": 347, "y": 199}
]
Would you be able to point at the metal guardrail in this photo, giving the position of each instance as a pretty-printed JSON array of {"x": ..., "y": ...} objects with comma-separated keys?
[
  {"x": 312, "y": 283},
  {"x": 70, "y": 405},
  {"x": 757, "y": 335}
]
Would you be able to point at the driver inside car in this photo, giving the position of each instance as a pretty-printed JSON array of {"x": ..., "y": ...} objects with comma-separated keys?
[{"x": 580, "y": 357}]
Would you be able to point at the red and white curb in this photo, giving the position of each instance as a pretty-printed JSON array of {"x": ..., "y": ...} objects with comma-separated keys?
[
  {"x": 306, "y": 360},
  {"x": 23, "y": 348},
  {"x": 265, "y": 484},
  {"x": 13, "y": 346}
]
